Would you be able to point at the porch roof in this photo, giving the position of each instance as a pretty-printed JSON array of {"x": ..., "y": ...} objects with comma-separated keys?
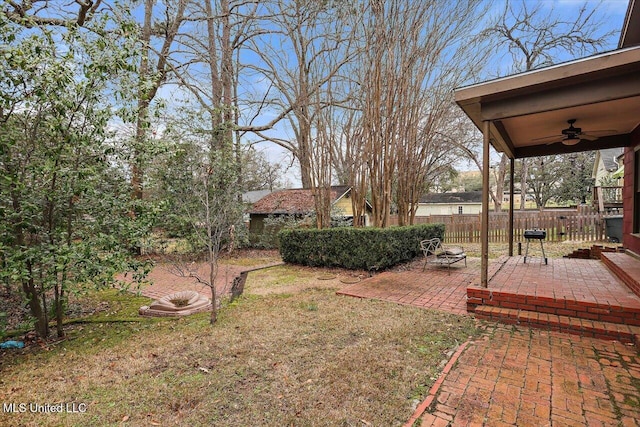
[
  {"x": 525, "y": 115},
  {"x": 525, "y": 109}
]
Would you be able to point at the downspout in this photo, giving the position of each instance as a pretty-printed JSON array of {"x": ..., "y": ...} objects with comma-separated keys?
[{"x": 484, "y": 250}]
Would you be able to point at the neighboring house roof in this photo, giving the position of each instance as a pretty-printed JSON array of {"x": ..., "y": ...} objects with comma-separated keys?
[
  {"x": 453, "y": 198},
  {"x": 253, "y": 196},
  {"x": 610, "y": 158},
  {"x": 606, "y": 162},
  {"x": 294, "y": 201}
]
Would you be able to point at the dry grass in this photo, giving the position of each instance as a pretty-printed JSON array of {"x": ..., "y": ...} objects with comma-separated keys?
[{"x": 290, "y": 352}]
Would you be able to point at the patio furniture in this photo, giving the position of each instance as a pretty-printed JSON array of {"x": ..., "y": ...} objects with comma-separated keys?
[
  {"x": 535, "y": 234},
  {"x": 436, "y": 253}
]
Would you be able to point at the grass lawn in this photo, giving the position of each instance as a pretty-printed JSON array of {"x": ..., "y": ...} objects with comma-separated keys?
[{"x": 289, "y": 352}]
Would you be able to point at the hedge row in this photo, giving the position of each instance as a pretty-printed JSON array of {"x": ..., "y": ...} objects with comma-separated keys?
[{"x": 355, "y": 248}]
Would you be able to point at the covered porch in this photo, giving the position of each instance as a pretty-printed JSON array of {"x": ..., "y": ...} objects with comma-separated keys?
[{"x": 583, "y": 105}]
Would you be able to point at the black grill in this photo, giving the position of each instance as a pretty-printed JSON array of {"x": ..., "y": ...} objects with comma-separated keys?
[{"x": 535, "y": 234}]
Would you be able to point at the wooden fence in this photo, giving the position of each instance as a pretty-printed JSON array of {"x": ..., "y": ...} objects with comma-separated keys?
[{"x": 582, "y": 224}]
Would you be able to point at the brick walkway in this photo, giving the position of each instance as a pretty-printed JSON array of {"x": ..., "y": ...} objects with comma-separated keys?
[
  {"x": 516, "y": 376},
  {"x": 525, "y": 377}
]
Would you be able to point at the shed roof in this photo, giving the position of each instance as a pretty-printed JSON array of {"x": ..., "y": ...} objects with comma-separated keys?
[
  {"x": 255, "y": 195},
  {"x": 293, "y": 201}
]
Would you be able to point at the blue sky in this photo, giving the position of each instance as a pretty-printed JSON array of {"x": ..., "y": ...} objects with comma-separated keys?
[{"x": 612, "y": 12}]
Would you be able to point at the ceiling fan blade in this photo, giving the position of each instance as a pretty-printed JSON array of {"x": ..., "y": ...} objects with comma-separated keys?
[
  {"x": 588, "y": 137},
  {"x": 555, "y": 141},
  {"x": 599, "y": 133},
  {"x": 552, "y": 138}
]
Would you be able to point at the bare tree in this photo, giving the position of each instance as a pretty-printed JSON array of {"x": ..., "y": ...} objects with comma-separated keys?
[
  {"x": 259, "y": 173},
  {"x": 321, "y": 159},
  {"x": 199, "y": 188},
  {"x": 536, "y": 36},
  {"x": 463, "y": 136},
  {"x": 307, "y": 46},
  {"x": 350, "y": 160},
  {"x": 152, "y": 75},
  {"x": 207, "y": 70},
  {"x": 415, "y": 55},
  {"x": 212, "y": 69}
]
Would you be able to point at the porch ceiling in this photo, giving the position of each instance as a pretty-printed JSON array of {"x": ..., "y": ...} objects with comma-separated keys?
[{"x": 601, "y": 92}]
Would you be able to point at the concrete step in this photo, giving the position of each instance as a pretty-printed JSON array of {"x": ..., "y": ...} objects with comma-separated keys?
[
  {"x": 566, "y": 324},
  {"x": 625, "y": 267}
]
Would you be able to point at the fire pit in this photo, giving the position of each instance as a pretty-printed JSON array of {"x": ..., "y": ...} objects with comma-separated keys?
[{"x": 177, "y": 304}]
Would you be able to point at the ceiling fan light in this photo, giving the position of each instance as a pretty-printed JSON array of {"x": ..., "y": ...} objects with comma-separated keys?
[{"x": 571, "y": 140}]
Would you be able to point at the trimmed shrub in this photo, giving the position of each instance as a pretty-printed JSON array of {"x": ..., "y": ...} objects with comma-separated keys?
[{"x": 355, "y": 248}]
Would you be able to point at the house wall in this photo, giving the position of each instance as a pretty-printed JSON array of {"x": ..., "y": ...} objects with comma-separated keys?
[
  {"x": 601, "y": 172},
  {"x": 630, "y": 207},
  {"x": 427, "y": 209},
  {"x": 516, "y": 199},
  {"x": 345, "y": 206}
]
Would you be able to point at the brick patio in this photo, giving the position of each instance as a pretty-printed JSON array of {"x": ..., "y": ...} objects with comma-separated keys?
[
  {"x": 528, "y": 377},
  {"x": 434, "y": 288},
  {"x": 578, "y": 296},
  {"x": 164, "y": 280},
  {"x": 517, "y": 376}
]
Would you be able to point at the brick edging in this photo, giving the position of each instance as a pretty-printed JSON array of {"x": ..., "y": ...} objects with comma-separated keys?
[{"x": 433, "y": 391}]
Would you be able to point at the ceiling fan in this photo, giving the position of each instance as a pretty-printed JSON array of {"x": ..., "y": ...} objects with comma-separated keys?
[{"x": 572, "y": 135}]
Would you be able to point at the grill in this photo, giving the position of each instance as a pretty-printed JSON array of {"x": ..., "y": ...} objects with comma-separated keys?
[{"x": 535, "y": 234}]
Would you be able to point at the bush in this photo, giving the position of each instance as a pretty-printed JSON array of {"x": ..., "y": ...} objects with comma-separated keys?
[{"x": 355, "y": 248}]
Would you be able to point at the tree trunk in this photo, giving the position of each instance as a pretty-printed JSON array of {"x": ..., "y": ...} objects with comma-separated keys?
[
  {"x": 59, "y": 309},
  {"x": 142, "y": 118},
  {"x": 524, "y": 172},
  {"x": 500, "y": 173},
  {"x": 35, "y": 304},
  {"x": 213, "y": 267},
  {"x": 28, "y": 285}
]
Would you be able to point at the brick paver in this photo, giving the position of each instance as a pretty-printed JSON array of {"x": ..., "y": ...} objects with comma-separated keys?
[
  {"x": 516, "y": 376},
  {"x": 525, "y": 377},
  {"x": 564, "y": 279},
  {"x": 434, "y": 288}
]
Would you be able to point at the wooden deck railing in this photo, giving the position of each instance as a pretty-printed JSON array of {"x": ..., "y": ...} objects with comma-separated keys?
[{"x": 607, "y": 197}]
